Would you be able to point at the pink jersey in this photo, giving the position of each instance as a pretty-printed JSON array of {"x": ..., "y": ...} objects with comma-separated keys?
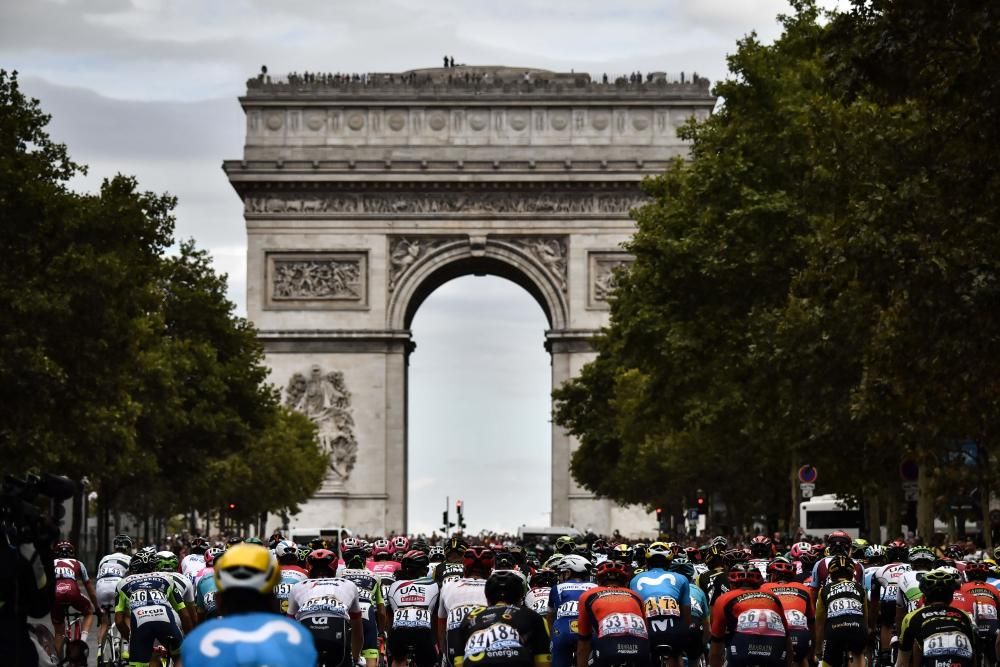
[{"x": 385, "y": 566}]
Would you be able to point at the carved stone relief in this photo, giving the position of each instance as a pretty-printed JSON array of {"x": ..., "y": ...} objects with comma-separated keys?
[
  {"x": 324, "y": 280},
  {"x": 324, "y": 398},
  {"x": 602, "y": 266},
  {"x": 404, "y": 252},
  {"x": 549, "y": 251},
  {"x": 416, "y": 203}
]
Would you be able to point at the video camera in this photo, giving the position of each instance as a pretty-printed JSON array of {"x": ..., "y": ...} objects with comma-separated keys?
[{"x": 31, "y": 507}]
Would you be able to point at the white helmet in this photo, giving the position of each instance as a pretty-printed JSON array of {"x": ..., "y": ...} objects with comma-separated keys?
[
  {"x": 285, "y": 548},
  {"x": 575, "y": 564}
]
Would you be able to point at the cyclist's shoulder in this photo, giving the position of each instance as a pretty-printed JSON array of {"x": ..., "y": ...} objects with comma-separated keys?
[{"x": 215, "y": 641}]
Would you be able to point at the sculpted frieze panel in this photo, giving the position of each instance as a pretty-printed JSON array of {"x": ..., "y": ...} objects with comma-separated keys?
[
  {"x": 444, "y": 203},
  {"x": 602, "y": 267},
  {"x": 551, "y": 252},
  {"x": 317, "y": 279},
  {"x": 324, "y": 399},
  {"x": 407, "y": 251}
]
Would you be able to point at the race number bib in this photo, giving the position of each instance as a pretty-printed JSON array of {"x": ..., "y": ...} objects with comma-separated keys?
[
  {"x": 568, "y": 609},
  {"x": 952, "y": 644},
  {"x": 411, "y": 617},
  {"x": 661, "y": 606},
  {"x": 796, "y": 620},
  {"x": 845, "y": 607},
  {"x": 498, "y": 635},
  {"x": 760, "y": 622},
  {"x": 328, "y": 604},
  {"x": 539, "y": 606},
  {"x": 985, "y": 612},
  {"x": 622, "y": 624},
  {"x": 458, "y": 614},
  {"x": 890, "y": 592},
  {"x": 150, "y": 614}
]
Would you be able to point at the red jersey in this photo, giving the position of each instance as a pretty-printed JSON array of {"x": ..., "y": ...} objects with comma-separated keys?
[
  {"x": 609, "y": 612},
  {"x": 797, "y": 602},
  {"x": 985, "y": 601},
  {"x": 748, "y": 611}
]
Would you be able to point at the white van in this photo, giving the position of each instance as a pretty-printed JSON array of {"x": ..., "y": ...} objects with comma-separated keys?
[{"x": 822, "y": 515}]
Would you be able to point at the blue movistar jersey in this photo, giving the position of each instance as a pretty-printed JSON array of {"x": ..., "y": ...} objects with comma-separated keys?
[
  {"x": 563, "y": 601},
  {"x": 663, "y": 593},
  {"x": 249, "y": 640},
  {"x": 699, "y": 603},
  {"x": 204, "y": 597}
]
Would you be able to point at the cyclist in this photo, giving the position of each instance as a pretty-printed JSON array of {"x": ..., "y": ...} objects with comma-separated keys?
[
  {"x": 838, "y": 543},
  {"x": 666, "y": 598},
  {"x": 145, "y": 610},
  {"x": 797, "y": 605},
  {"x": 908, "y": 594},
  {"x": 287, "y": 555},
  {"x": 562, "y": 608},
  {"x": 539, "y": 588},
  {"x": 207, "y": 588},
  {"x": 194, "y": 562},
  {"x": 883, "y": 596},
  {"x": 565, "y": 545},
  {"x": 411, "y": 604},
  {"x": 986, "y": 605},
  {"x": 383, "y": 565},
  {"x": 452, "y": 568},
  {"x": 842, "y": 614},
  {"x": 504, "y": 632},
  {"x": 458, "y": 598},
  {"x": 69, "y": 574},
  {"x": 761, "y": 553},
  {"x": 168, "y": 565},
  {"x": 110, "y": 571},
  {"x": 330, "y": 607},
  {"x": 248, "y": 633},
  {"x": 698, "y": 634},
  {"x": 370, "y": 594},
  {"x": 715, "y": 565},
  {"x": 612, "y": 626},
  {"x": 801, "y": 556},
  {"x": 937, "y": 633},
  {"x": 749, "y": 622}
]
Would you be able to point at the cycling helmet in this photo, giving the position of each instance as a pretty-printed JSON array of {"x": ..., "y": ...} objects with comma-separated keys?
[
  {"x": 276, "y": 537},
  {"x": 858, "y": 546},
  {"x": 400, "y": 544},
  {"x": 123, "y": 544},
  {"x": 897, "y": 552},
  {"x": 996, "y": 553},
  {"x": 839, "y": 542},
  {"x": 355, "y": 557},
  {"x": 875, "y": 554},
  {"x": 381, "y": 550},
  {"x": 321, "y": 560},
  {"x": 939, "y": 584},
  {"x": 254, "y": 540},
  {"x": 714, "y": 556},
  {"x": 247, "y": 567},
  {"x": 682, "y": 567},
  {"x": 575, "y": 565},
  {"x": 760, "y": 547},
  {"x": 809, "y": 558},
  {"x": 456, "y": 544},
  {"x": 923, "y": 556},
  {"x": 565, "y": 545},
  {"x": 350, "y": 543},
  {"x": 211, "y": 554},
  {"x": 504, "y": 586},
  {"x": 287, "y": 552},
  {"x": 720, "y": 542},
  {"x": 553, "y": 562},
  {"x": 436, "y": 555},
  {"x": 693, "y": 554},
  {"x": 621, "y": 553},
  {"x": 505, "y": 561},
  {"x": 780, "y": 569},
  {"x": 735, "y": 557},
  {"x": 840, "y": 566},
  {"x": 601, "y": 546},
  {"x": 64, "y": 549},
  {"x": 544, "y": 578},
  {"x": 955, "y": 551},
  {"x": 531, "y": 561},
  {"x": 415, "y": 561},
  {"x": 419, "y": 545},
  {"x": 303, "y": 552},
  {"x": 478, "y": 560},
  {"x": 639, "y": 552},
  {"x": 234, "y": 540},
  {"x": 977, "y": 571},
  {"x": 613, "y": 571},
  {"x": 166, "y": 561},
  {"x": 799, "y": 549},
  {"x": 745, "y": 575},
  {"x": 317, "y": 543},
  {"x": 143, "y": 562},
  {"x": 658, "y": 553}
]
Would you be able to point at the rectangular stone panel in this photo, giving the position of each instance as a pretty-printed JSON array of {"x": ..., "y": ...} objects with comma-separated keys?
[
  {"x": 601, "y": 266},
  {"x": 316, "y": 280}
]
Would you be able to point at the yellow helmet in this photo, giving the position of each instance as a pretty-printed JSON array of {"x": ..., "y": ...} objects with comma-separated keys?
[{"x": 247, "y": 566}]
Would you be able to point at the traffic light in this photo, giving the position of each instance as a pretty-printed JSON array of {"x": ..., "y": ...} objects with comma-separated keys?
[
  {"x": 459, "y": 506},
  {"x": 232, "y": 507},
  {"x": 659, "y": 515},
  {"x": 702, "y": 505}
]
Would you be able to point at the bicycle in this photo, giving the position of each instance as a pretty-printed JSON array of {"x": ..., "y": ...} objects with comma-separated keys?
[
  {"x": 75, "y": 651},
  {"x": 111, "y": 648}
]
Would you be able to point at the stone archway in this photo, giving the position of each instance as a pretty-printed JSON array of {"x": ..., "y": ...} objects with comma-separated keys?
[{"x": 362, "y": 198}]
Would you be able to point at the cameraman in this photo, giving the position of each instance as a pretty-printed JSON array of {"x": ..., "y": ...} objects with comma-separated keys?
[{"x": 27, "y": 588}]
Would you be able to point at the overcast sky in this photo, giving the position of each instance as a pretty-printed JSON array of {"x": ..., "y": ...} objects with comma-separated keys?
[{"x": 149, "y": 88}]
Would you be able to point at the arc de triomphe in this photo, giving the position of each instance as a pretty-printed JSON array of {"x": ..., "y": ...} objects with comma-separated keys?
[{"x": 363, "y": 195}]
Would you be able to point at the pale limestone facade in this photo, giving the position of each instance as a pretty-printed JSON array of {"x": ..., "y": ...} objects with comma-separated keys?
[{"x": 363, "y": 197}]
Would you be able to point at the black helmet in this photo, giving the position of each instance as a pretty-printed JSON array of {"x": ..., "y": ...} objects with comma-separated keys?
[
  {"x": 456, "y": 544},
  {"x": 939, "y": 584},
  {"x": 544, "y": 578},
  {"x": 504, "y": 586},
  {"x": 840, "y": 566},
  {"x": 415, "y": 561}
]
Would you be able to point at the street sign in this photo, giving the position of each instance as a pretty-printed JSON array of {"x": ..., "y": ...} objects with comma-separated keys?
[
  {"x": 910, "y": 491},
  {"x": 909, "y": 471},
  {"x": 807, "y": 490},
  {"x": 692, "y": 514},
  {"x": 807, "y": 474}
]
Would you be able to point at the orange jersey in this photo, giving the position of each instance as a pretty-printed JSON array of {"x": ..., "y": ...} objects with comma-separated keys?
[
  {"x": 748, "y": 611},
  {"x": 985, "y": 601},
  {"x": 608, "y": 611},
  {"x": 797, "y": 602}
]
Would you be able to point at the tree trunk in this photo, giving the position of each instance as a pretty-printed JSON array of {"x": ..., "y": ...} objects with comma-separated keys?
[
  {"x": 893, "y": 523},
  {"x": 925, "y": 503},
  {"x": 874, "y": 516},
  {"x": 793, "y": 515},
  {"x": 77, "y": 518},
  {"x": 102, "y": 522}
]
